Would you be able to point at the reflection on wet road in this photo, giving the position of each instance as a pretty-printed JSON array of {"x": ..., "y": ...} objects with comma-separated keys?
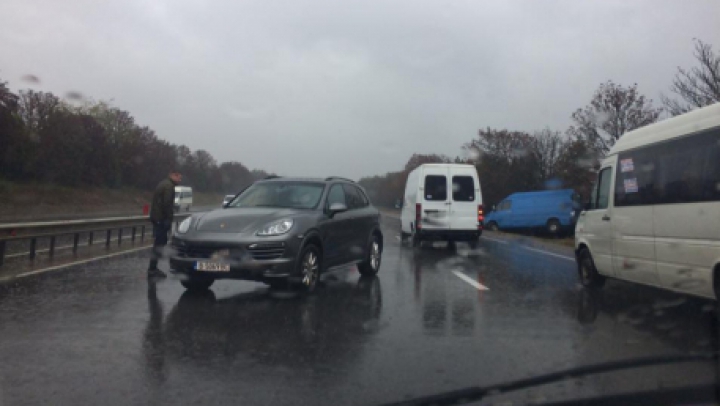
[{"x": 434, "y": 319}]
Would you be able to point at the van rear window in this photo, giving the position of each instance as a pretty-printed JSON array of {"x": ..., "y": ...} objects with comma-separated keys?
[
  {"x": 435, "y": 187},
  {"x": 463, "y": 188}
]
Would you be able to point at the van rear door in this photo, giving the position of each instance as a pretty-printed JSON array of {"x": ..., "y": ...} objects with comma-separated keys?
[
  {"x": 465, "y": 198},
  {"x": 435, "y": 198}
]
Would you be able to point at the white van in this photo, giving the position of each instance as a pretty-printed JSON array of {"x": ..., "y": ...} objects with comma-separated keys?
[
  {"x": 183, "y": 198},
  {"x": 654, "y": 214},
  {"x": 442, "y": 202}
]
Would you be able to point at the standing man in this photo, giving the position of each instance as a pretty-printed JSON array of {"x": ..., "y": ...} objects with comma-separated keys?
[{"x": 161, "y": 216}]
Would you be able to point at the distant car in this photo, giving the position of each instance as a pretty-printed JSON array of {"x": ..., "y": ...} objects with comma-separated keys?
[
  {"x": 183, "y": 198},
  {"x": 280, "y": 231},
  {"x": 553, "y": 210},
  {"x": 227, "y": 199}
]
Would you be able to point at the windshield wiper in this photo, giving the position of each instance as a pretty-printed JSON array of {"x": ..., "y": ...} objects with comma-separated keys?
[{"x": 477, "y": 393}]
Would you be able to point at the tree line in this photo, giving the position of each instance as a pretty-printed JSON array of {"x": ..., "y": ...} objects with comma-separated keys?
[
  {"x": 511, "y": 161},
  {"x": 47, "y": 139}
]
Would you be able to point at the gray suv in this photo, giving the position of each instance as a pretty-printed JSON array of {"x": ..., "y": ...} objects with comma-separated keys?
[{"x": 280, "y": 231}]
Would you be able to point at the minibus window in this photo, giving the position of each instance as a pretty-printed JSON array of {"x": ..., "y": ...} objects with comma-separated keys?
[{"x": 603, "y": 190}]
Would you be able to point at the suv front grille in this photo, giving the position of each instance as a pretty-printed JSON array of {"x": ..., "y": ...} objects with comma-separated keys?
[
  {"x": 265, "y": 251},
  {"x": 194, "y": 251}
]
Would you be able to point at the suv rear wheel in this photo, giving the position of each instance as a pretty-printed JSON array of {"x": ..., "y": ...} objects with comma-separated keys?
[{"x": 371, "y": 265}]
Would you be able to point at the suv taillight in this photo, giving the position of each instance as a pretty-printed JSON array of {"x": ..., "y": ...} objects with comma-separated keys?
[
  {"x": 418, "y": 216},
  {"x": 481, "y": 216}
]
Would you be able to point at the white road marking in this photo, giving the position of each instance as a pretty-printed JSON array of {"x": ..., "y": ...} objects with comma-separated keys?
[
  {"x": 470, "y": 281},
  {"x": 550, "y": 253},
  {"x": 494, "y": 240},
  {"x": 84, "y": 261}
]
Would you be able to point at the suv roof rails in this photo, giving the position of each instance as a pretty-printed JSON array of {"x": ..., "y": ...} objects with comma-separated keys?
[
  {"x": 272, "y": 177},
  {"x": 339, "y": 178}
]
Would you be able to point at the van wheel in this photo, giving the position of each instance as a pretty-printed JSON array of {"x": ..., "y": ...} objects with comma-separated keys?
[
  {"x": 553, "y": 226},
  {"x": 415, "y": 240},
  {"x": 589, "y": 276},
  {"x": 492, "y": 226}
]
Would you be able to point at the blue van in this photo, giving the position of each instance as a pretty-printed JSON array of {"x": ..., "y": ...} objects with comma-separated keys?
[{"x": 553, "y": 210}]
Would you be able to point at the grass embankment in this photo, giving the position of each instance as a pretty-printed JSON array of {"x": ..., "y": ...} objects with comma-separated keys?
[{"x": 32, "y": 202}]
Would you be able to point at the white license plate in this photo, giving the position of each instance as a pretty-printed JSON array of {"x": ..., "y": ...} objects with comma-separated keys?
[{"x": 212, "y": 267}]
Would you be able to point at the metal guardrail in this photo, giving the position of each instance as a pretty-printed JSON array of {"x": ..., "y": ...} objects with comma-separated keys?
[{"x": 54, "y": 229}]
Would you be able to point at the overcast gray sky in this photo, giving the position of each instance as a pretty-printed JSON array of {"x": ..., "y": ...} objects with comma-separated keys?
[{"x": 348, "y": 87}]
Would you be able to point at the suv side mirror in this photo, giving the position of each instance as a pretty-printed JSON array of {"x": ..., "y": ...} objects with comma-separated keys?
[{"x": 336, "y": 208}]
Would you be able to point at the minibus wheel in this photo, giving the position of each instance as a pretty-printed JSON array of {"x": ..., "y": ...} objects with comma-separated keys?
[{"x": 589, "y": 276}]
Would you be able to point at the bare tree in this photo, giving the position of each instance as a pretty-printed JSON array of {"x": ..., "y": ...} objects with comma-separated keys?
[
  {"x": 613, "y": 111},
  {"x": 501, "y": 144},
  {"x": 547, "y": 146},
  {"x": 36, "y": 109},
  {"x": 699, "y": 86},
  {"x": 420, "y": 159},
  {"x": 8, "y": 100}
]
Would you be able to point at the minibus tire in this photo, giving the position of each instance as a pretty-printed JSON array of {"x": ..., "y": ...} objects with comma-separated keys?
[{"x": 587, "y": 273}]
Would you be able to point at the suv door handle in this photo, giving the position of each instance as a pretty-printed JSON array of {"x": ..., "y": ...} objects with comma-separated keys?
[
  {"x": 606, "y": 218},
  {"x": 448, "y": 203}
]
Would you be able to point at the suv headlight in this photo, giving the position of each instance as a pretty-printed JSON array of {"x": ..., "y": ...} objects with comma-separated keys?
[
  {"x": 184, "y": 226},
  {"x": 276, "y": 228}
]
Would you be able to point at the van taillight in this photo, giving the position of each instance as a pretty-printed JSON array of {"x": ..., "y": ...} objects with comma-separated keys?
[
  {"x": 481, "y": 216},
  {"x": 418, "y": 216}
]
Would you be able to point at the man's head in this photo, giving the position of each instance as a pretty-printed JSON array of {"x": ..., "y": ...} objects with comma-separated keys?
[{"x": 175, "y": 176}]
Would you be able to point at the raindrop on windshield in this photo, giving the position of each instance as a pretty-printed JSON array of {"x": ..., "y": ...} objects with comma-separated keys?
[
  {"x": 75, "y": 96},
  {"x": 31, "y": 79}
]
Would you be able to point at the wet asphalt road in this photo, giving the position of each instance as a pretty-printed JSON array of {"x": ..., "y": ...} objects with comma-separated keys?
[{"x": 101, "y": 334}]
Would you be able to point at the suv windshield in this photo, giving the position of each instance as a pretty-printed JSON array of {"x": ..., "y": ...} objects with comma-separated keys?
[{"x": 295, "y": 195}]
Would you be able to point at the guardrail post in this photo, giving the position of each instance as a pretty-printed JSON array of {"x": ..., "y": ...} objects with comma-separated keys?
[
  {"x": 90, "y": 238},
  {"x": 51, "y": 251},
  {"x": 107, "y": 238},
  {"x": 119, "y": 236},
  {"x": 133, "y": 234},
  {"x": 33, "y": 245},
  {"x": 76, "y": 241},
  {"x": 2, "y": 252}
]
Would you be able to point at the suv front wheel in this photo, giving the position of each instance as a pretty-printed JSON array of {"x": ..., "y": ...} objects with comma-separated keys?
[
  {"x": 309, "y": 267},
  {"x": 371, "y": 264}
]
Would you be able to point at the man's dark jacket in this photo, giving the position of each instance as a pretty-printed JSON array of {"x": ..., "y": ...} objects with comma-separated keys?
[{"x": 163, "y": 202}]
